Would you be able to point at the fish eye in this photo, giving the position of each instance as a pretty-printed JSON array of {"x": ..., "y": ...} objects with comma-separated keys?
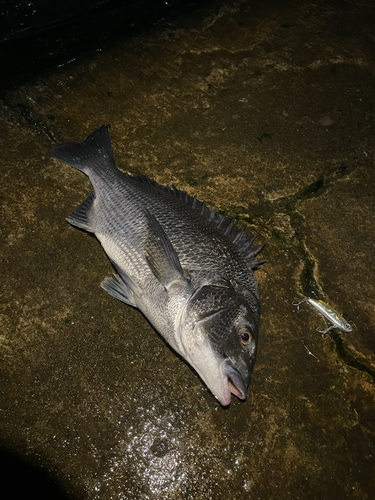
[{"x": 245, "y": 335}]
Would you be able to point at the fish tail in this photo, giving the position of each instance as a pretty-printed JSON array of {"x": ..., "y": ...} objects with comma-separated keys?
[{"x": 94, "y": 153}]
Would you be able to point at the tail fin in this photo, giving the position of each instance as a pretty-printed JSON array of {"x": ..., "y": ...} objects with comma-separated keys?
[{"x": 94, "y": 153}]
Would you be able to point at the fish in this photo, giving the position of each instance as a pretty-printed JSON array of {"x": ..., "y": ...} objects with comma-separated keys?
[
  {"x": 329, "y": 313},
  {"x": 186, "y": 267}
]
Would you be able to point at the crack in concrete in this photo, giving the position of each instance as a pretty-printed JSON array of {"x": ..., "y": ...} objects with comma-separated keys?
[
  {"x": 29, "y": 116},
  {"x": 348, "y": 356},
  {"x": 308, "y": 283}
]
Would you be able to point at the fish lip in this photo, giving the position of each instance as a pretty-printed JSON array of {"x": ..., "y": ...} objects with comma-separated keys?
[{"x": 233, "y": 383}]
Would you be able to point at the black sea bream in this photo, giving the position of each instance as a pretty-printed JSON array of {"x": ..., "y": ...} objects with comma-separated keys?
[{"x": 186, "y": 267}]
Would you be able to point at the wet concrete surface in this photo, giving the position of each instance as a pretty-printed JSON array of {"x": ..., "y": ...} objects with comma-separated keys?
[{"x": 265, "y": 111}]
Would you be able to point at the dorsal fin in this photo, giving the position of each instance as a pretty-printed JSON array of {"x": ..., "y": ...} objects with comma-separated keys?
[{"x": 225, "y": 224}]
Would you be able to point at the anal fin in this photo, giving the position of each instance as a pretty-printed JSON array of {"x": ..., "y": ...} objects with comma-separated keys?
[
  {"x": 122, "y": 286},
  {"x": 79, "y": 217}
]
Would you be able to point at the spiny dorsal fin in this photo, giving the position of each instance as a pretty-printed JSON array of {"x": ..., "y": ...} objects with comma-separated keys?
[{"x": 225, "y": 224}]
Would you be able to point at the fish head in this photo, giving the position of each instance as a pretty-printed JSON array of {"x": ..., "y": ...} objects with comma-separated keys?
[{"x": 219, "y": 338}]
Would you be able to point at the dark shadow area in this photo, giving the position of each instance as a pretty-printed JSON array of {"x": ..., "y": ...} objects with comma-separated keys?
[
  {"x": 40, "y": 36},
  {"x": 20, "y": 480}
]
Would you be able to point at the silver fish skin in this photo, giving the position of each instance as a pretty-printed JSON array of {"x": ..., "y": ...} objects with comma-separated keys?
[{"x": 185, "y": 266}]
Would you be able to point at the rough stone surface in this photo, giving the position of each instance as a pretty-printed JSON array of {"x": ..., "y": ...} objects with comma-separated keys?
[{"x": 266, "y": 111}]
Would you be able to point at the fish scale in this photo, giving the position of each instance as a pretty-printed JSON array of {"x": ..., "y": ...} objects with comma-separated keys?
[
  {"x": 210, "y": 249},
  {"x": 185, "y": 266}
]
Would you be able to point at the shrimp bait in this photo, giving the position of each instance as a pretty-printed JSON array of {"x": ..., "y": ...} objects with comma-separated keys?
[{"x": 330, "y": 314}]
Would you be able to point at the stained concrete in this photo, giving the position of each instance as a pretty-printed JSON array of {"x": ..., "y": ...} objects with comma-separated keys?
[{"x": 265, "y": 111}]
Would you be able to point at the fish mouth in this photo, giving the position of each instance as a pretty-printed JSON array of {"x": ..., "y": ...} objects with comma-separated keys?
[{"x": 233, "y": 383}]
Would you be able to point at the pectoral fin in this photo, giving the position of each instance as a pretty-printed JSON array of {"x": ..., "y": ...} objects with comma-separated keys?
[{"x": 160, "y": 254}]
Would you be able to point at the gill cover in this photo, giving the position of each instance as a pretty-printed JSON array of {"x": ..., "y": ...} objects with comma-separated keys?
[{"x": 212, "y": 341}]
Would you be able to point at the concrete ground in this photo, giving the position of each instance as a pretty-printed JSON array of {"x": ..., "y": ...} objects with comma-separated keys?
[{"x": 265, "y": 110}]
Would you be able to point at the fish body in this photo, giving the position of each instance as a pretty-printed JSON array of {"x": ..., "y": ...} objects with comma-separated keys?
[
  {"x": 186, "y": 267},
  {"x": 331, "y": 315}
]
